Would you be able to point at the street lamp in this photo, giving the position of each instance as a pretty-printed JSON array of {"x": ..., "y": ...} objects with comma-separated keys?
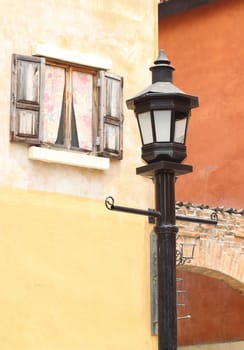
[{"x": 162, "y": 111}]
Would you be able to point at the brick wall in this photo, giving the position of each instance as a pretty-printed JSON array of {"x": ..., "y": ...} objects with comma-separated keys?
[{"x": 219, "y": 250}]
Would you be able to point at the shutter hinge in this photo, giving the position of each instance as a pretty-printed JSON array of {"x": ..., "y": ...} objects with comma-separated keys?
[
  {"x": 14, "y": 59},
  {"x": 12, "y": 136}
]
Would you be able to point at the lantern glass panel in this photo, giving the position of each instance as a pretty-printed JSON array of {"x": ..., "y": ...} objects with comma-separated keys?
[
  {"x": 180, "y": 130},
  {"x": 162, "y": 120},
  {"x": 145, "y": 124}
]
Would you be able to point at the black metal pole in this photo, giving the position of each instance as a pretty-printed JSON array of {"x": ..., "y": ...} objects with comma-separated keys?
[
  {"x": 166, "y": 231},
  {"x": 164, "y": 173}
]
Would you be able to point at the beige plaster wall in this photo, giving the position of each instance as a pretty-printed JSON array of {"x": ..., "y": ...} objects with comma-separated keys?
[{"x": 123, "y": 31}]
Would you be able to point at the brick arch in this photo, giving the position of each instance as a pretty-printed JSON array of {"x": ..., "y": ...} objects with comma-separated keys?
[{"x": 219, "y": 250}]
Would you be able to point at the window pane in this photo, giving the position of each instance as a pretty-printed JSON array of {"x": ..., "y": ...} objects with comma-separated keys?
[
  {"x": 28, "y": 81},
  {"x": 82, "y": 93},
  {"x": 53, "y": 103},
  {"x": 111, "y": 138},
  {"x": 113, "y": 97},
  {"x": 145, "y": 124},
  {"x": 162, "y": 121},
  {"x": 27, "y": 123},
  {"x": 180, "y": 129}
]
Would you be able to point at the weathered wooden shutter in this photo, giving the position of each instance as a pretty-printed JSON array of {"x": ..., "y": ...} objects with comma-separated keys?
[
  {"x": 26, "y": 98},
  {"x": 111, "y": 115}
]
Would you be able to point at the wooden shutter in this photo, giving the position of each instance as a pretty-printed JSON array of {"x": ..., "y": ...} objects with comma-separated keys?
[
  {"x": 111, "y": 115},
  {"x": 26, "y": 98}
]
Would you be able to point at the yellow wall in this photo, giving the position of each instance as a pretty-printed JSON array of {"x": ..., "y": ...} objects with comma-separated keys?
[{"x": 73, "y": 274}]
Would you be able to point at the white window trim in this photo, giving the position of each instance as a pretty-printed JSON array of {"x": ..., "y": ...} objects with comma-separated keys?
[
  {"x": 55, "y": 52},
  {"x": 68, "y": 158}
]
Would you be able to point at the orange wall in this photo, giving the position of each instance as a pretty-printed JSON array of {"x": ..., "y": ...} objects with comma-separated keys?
[
  {"x": 217, "y": 311},
  {"x": 206, "y": 47}
]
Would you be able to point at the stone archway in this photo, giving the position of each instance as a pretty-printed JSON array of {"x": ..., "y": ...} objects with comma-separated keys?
[{"x": 219, "y": 250}]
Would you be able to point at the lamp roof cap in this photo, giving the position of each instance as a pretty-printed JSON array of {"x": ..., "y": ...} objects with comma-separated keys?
[
  {"x": 162, "y": 83},
  {"x": 162, "y": 88}
]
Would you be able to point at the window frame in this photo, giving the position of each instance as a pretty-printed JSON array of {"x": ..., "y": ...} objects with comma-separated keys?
[
  {"x": 69, "y": 69},
  {"x": 99, "y": 112}
]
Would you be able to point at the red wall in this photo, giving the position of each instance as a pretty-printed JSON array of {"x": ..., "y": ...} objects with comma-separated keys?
[
  {"x": 217, "y": 311},
  {"x": 205, "y": 45}
]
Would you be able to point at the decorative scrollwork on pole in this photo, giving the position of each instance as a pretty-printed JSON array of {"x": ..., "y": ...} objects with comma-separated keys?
[
  {"x": 183, "y": 258},
  {"x": 109, "y": 203},
  {"x": 214, "y": 216}
]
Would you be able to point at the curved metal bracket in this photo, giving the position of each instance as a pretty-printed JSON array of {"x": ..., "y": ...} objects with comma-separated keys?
[
  {"x": 214, "y": 216},
  {"x": 212, "y": 221},
  {"x": 151, "y": 213},
  {"x": 109, "y": 203}
]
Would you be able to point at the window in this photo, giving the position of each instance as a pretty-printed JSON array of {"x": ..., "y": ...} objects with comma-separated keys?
[{"x": 62, "y": 105}]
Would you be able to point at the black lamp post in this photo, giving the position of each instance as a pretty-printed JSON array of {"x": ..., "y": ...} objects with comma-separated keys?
[{"x": 162, "y": 112}]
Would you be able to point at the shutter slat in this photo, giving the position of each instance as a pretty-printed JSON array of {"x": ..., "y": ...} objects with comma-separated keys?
[
  {"x": 26, "y": 98},
  {"x": 111, "y": 115}
]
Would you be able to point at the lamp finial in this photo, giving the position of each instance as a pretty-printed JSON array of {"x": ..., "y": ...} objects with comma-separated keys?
[
  {"x": 162, "y": 70},
  {"x": 162, "y": 58}
]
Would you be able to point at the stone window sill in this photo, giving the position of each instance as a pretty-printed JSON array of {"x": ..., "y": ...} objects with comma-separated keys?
[{"x": 68, "y": 158}]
